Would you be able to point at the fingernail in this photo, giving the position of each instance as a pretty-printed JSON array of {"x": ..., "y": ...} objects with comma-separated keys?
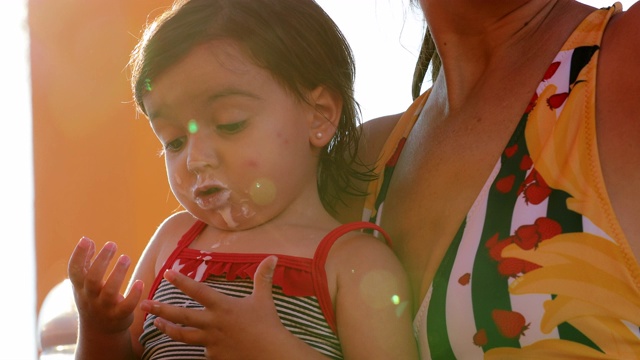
[
  {"x": 274, "y": 262},
  {"x": 146, "y": 305},
  {"x": 124, "y": 260},
  {"x": 84, "y": 242},
  {"x": 138, "y": 284},
  {"x": 170, "y": 275},
  {"x": 110, "y": 246}
]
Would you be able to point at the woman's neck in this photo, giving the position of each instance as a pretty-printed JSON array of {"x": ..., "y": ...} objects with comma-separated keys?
[{"x": 477, "y": 38}]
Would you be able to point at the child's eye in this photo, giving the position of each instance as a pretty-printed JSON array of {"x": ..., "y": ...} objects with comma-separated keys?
[
  {"x": 174, "y": 145},
  {"x": 231, "y": 128}
]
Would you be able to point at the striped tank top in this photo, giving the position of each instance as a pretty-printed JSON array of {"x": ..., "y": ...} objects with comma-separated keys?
[
  {"x": 300, "y": 292},
  {"x": 539, "y": 268}
]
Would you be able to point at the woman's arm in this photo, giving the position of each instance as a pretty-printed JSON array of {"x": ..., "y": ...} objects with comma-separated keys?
[
  {"x": 374, "y": 135},
  {"x": 618, "y": 119}
]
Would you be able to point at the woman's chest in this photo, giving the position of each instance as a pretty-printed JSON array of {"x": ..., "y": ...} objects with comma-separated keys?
[{"x": 438, "y": 177}]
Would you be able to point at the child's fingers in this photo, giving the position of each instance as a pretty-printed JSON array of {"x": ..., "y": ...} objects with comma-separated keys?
[
  {"x": 188, "y": 335},
  {"x": 95, "y": 274},
  {"x": 176, "y": 314},
  {"x": 210, "y": 298},
  {"x": 115, "y": 280},
  {"x": 77, "y": 265},
  {"x": 129, "y": 303},
  {"x": 198, "y": 291}
]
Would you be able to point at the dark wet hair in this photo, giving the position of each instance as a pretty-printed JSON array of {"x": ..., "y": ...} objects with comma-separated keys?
[
  {"x": 295, "y": 40},
  {"x": 428, "y": 55}
]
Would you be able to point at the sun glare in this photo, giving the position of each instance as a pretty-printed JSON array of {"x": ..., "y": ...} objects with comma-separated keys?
[
  {"x": 385, "y": 36},
  {"x": 16, "y": 221}
]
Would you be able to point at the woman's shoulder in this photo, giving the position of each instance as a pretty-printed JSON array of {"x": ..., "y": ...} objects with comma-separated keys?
[
  {"x": 621, "y": 41},
  {"x": 618, "y": 76},
  {"x": 628, "y": 21},
  {"x": 618, "y": 117},
  {"x": 374, "y": 136},
  {"x": 624, "y": 29}
]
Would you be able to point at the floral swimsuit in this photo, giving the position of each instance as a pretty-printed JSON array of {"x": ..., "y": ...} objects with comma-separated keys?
[{"x": 540, "y": 268}]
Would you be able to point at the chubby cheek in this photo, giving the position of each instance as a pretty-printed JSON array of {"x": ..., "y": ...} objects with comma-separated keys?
[
  {"x": 177, "y": 180},
  {"x": 263, "y": 191},
  {"x": 179, "y": 184},
  {"x": 251, "y": 164},
  {"x": 260, "y": 187},
  {"x": 176, "y": 183}
]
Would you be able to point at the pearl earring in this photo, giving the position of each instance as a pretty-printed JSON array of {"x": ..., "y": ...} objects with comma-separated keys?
[{"x": 318, "y": 135}]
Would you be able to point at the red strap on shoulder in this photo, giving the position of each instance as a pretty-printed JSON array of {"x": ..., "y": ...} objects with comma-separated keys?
[
  {"x": 185, "y": 241},
  {"x": 319, "y": 273}
]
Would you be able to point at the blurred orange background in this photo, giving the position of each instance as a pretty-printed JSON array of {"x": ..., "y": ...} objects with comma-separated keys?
[{"x": 97, "y": 169}]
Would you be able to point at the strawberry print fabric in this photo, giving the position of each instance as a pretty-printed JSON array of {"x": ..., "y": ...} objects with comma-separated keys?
[{"x": 540, "y": 268}]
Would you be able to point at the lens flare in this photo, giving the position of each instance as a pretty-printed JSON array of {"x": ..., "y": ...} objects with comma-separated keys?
[
  {"x": 395, "y": 299},
  {"x": 263, "y": 191},
  {"x": 193, "y": 126}
]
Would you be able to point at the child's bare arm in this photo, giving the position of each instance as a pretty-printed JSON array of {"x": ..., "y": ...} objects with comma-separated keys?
[
  {"x": 105, "y": 315},
  {"x": 373, "y": 301}
]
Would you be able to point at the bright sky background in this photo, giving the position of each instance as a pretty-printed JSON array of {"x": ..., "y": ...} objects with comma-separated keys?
[
  {"x": 18, "y": 302},
  {"x": 384, "y": 34}
]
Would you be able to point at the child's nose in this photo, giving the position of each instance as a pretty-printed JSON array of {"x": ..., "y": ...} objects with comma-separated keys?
[{"x": 201, "y": 153}]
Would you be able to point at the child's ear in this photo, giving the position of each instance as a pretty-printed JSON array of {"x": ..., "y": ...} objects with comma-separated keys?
[{"x": 327, "y": 106}]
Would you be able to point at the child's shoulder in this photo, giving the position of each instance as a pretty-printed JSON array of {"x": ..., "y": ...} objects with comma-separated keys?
[
  {"x": 357, "y": 250},
  {"x": 170, "y": 231},
  {"x": 179, "y": 222}
]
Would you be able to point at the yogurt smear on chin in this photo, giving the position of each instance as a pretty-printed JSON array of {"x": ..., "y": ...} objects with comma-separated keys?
[{"x": 225, "y": 212}]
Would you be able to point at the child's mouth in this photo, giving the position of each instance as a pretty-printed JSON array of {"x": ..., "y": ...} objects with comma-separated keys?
[{"x": 211, "y": 198}]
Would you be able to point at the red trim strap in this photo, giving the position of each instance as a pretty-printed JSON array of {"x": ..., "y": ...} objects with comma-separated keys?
[
  {"x": 318, "y": 267},
  {"x": 185, "y": 240}
]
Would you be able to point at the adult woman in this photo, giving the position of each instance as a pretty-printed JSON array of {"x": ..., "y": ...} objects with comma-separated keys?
[
  {"x": 495, "y": 213},
  {"x": 555, "y": 258}
]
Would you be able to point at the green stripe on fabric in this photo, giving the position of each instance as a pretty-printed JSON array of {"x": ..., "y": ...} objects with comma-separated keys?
[
  {"x": 569, "y": 220},
  {"x": 489, "y": 288},
  {"x": 437, "y": 333}
]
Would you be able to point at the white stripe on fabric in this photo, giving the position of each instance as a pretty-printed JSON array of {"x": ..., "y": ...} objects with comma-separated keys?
[
  {"x": 530, "y": 305},
  {"x": 462, "y": 342},
  {"x": 300, "y": 315}
]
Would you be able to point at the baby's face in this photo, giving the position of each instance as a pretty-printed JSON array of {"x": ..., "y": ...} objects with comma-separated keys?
[{"x": 236, "y": 143}]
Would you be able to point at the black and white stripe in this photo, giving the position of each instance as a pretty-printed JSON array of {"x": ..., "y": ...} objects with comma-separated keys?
[{"x": 300, "y": 315}]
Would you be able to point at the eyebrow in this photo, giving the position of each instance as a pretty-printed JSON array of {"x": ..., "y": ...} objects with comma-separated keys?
[
  {"x": 231, "y": 92},
  {"x": 217, "y": 96}
]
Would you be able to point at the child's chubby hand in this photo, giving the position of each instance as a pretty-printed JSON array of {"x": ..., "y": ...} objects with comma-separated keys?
[
  {"x": 227, "y": 326},
  {"x": 101, "y": 307}
]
